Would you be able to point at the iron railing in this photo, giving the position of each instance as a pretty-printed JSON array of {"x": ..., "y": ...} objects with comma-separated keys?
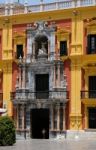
[{"x": 88, "y": 94}]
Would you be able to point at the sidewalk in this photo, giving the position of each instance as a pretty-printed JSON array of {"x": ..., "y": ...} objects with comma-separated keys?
[{"x": 52, "y": 144}]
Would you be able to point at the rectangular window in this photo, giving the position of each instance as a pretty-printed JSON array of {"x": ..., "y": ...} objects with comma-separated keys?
[
  {"x": 91, "y": 44},
  {"x": 92, "y": 86},
  {"x": 19, "y": 51},
  {"x": 63, "y": 48}
]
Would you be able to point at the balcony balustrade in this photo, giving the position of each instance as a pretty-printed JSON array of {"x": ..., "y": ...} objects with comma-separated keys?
[
  {"x": 26, "y": 95},
  {"x": 88, "y": 94},
  {"x": 13, "y": 9}
]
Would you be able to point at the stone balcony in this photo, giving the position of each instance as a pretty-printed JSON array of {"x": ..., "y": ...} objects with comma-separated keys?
[
  {"x": 26, "y": 96},
  {"x": 16, "y": 8}
]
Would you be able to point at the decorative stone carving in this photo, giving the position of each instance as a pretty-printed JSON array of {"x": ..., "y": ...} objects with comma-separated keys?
[{"x": 43, "y": 49}]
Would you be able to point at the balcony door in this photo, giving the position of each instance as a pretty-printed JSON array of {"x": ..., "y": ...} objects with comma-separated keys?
[
  {"x": 91, "y": 43},
  {"x": 92, "y": 117},
  {"x": 42, "y": 86},
  {"x": 92, "y": 86}
]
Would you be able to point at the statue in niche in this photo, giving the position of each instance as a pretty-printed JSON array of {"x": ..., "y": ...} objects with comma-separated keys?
[{"x": 42, "y": 50}]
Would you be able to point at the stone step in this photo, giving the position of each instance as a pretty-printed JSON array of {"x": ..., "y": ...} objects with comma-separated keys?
[{"x": 81, "y": 134}]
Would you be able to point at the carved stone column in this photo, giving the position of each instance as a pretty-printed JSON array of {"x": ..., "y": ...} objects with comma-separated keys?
[
  {"x": 33, "y": 52},
  {"x": 20, "y": 77},
  {"x": 29, "y": 47},
  {"x": 23, "y": 77},
  {"x": 58, "y": 75},
  {"x": 54, "y": 76},
  {"x": 63, "y": 117},
  {"x": 51, "y": 118},
  {"x": 48, "y": 50},
  {"x": 17, "y": 117},
  {"x": 23, "y": 116},
  {"x": 58, "y": 117}
]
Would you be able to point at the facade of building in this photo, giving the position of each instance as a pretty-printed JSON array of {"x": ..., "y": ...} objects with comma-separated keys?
[{"x": 48, "y": 66}]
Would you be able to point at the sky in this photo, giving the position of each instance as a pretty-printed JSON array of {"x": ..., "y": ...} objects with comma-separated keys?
[{"x": 29, "y": 1}]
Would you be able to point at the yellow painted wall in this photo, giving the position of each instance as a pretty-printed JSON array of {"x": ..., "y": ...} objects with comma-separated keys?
[
  {"x": 76, "y": 50},
  {"x": 7, "y": 65}
]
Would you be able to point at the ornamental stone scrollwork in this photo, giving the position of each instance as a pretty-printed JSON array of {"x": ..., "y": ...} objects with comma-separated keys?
[{"x": 42, "y": 26}]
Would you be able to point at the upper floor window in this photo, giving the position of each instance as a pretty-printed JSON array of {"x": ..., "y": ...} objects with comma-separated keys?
[
  {"x": 92, "y": 86},
  {"x": 19, "y": 51},
  {"x": 63, "y": 48},
  {"x": 91, "y": 44}
]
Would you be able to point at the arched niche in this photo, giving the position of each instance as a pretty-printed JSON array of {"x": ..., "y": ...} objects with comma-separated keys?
[{"x": 41, "y": 45}]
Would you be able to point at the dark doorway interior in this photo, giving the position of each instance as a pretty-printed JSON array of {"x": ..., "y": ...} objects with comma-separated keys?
[
  {"x": 42, "y": 86},
  {"x": 40, "y": 123},
  {"x": 92, "y": 117}
]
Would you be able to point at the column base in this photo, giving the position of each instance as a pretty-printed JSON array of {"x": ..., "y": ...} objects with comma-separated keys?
[
  {"x": 57, "y": 134},
  {"x": 75, "y": 122}
]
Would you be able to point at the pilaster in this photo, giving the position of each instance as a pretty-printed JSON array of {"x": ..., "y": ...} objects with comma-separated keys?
[
  {"x": 77, "y": 34},
  {"x": 7, "y": 86},
  {"x": 7, "y": 40},
  {"x": 75, "y": 115}
]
